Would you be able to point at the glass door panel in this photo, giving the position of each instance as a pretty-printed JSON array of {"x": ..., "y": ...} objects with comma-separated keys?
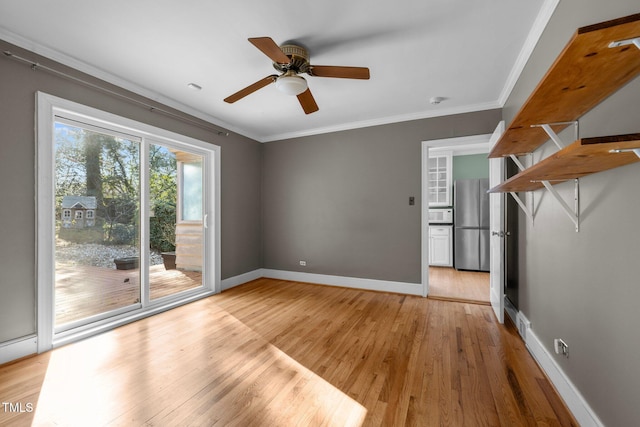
[
  {"x": 97, "y": 230},
  {"x": 176, "y": 227}
]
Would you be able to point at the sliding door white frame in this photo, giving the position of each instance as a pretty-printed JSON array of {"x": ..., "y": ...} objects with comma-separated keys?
[{"x": 48, "y": 108}]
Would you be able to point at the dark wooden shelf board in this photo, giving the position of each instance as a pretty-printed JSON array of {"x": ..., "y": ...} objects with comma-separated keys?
[
  {"x": 584, "y": 74},
  {"x": 583, "y": 157}
]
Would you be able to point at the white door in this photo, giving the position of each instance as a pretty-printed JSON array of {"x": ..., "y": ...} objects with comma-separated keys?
[{"x": 496, "y": 213}]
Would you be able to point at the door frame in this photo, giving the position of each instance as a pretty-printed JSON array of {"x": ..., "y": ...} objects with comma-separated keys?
[
  {"x": 476, "y": 144},
  {"x": 497, "y": 207},
  {"x": 48, "y": 106}
]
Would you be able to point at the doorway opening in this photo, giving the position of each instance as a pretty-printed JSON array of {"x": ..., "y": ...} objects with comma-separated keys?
[
  {"x": 444, "y": 162},
  {"x": 128, "y": 221}
]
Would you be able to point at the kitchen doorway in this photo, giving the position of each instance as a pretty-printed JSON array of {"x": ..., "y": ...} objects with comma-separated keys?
[{"x": 441, "y": 280}]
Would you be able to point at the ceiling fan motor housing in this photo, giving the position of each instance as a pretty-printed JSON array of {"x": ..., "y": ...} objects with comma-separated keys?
[{"x": 299, "y": 59}]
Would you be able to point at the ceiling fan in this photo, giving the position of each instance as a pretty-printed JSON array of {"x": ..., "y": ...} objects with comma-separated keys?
[{"x": 291, "y": 60}]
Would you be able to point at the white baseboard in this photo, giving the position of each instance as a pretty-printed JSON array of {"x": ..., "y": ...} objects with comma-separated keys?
[
  {"x": 15, "y": 349},
  {"x": 347, "y": 282},
  {"x": 581, "y": 410},
  {"x": 241, "y": 278}
]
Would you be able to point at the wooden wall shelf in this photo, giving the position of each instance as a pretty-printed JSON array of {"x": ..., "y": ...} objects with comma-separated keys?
[
  {"x": 586, "y": 72},
  {"x": 583, "y": 157}
]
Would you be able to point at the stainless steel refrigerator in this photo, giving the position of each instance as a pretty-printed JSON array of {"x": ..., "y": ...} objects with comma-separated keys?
[{"x": 471, "y": 224}]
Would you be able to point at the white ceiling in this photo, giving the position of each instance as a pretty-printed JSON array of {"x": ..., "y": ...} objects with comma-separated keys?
[{"x": 468, "y": 52}]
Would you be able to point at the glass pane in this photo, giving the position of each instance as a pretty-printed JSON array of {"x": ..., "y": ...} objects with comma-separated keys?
[
  {"x": 176, "y": 247},
  {"x": 192, "y": 191},
  {"x": 97, "y": 204}
]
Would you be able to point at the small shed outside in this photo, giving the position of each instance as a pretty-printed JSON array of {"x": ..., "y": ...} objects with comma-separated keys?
[{"x": 78, "y": 211}]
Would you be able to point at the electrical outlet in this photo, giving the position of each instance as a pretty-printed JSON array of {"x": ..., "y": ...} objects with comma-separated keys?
[
  {"x": 303, "y": 263},
  {"x": 561, "y": 347}
]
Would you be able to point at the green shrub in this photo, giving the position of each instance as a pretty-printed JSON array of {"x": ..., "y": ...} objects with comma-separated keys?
[
  {"x": 162, "y": 227},
  {"x": 123, "y": 234}
]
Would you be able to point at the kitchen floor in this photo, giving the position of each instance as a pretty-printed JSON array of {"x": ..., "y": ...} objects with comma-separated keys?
[{"x": 450, "y": 284}]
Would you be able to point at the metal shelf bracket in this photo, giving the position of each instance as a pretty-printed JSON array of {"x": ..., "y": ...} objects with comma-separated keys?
[
  {"x": 519, "y": 201},
  {"x": 634, "y": 41},
  {"x": 554, "y": 136},
  {"x": 573, "y": 214}
]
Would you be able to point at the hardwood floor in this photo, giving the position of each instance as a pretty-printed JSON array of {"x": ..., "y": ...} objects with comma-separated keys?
[
  {"x": 447, "y": 283},
  {"x": 277, "y": 353}
]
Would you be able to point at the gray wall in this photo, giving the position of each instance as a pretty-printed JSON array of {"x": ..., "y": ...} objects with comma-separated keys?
[
  {"x": 241, "y": 198},
  {"x": 584, "y": 287},
  {"x": 340, "y": 201}
]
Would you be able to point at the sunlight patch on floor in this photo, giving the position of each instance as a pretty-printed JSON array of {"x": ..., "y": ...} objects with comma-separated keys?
[{"x": 233, "y": 376}]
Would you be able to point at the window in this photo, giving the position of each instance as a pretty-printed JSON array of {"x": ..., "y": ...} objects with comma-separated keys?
[{"x": 191, "y": 191}]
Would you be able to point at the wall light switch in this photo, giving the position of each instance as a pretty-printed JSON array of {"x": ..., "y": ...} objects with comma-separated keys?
[{"x": 412, "y": 201}]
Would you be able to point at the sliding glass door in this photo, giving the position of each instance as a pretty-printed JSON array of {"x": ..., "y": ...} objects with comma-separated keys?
[
  {"x": 176, "y": 226},
  {"x": 97, "y": 223},
  {"x": 123, "y": 219}
]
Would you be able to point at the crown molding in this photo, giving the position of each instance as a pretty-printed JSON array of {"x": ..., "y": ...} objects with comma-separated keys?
[
  {"x": 543, "y": 18},
  {"x": 534, "y": 35},
  {"x": 92, "y": 71},
  {"x": 384, "y": 121}
]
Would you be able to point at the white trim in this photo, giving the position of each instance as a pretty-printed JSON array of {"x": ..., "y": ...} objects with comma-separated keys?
[
  {"x": 461, "y": 146},
  {"x": 448, "y": 144},
  {"x": 128, "y": 85},
  {"x": 346, "y": 282},
  {"x": 232, "y": 282},
  {"x": 543, "y": 18},
  {"x": 424, "y": 220},
  {"x": 15, "y": 349},
  {"x": 384, "y": 121},
  {"x": 534, "y": 35},
  {"x": 69, "y": 61},
  {"x": 45, "y": 222},
  {"x": 576, "y": 403}
]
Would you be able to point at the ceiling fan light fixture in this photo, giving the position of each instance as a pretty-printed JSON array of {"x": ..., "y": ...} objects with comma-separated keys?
[{"x": 291, "y": 84}]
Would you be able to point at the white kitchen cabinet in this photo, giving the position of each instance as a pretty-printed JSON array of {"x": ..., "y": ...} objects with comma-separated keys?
[
  {"x": 439, "y": 169},
  {"x": 440, "y": 245}
]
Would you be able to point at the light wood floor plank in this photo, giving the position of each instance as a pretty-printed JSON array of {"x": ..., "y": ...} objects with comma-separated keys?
[
  {"x": 449, "y": 284},
  {"x": 277, "y": 353}
]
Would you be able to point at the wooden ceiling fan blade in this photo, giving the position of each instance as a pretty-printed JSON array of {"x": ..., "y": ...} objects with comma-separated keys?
[
  {"x": 339, "y": 72},
  {"x": 250, "y": 89},
  {"x": 307, "y": 102},
  {"x": 271, "y": 49}
]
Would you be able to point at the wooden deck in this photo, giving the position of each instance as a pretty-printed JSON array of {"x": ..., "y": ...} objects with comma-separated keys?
[{"x": 83, "y": 291}]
